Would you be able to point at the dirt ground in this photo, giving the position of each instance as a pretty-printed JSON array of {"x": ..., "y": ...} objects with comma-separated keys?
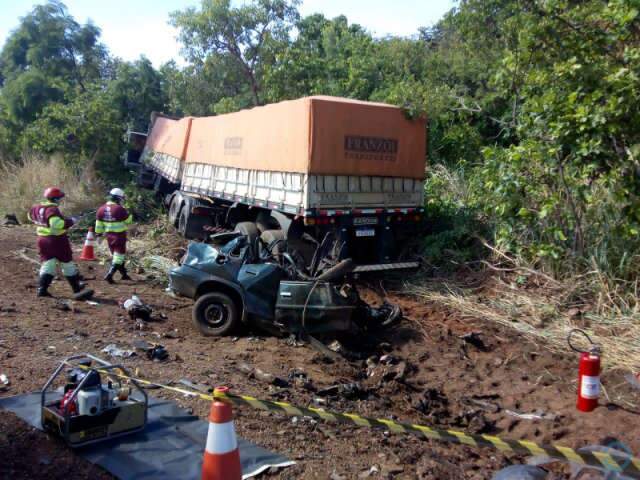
[{"x": 432, "y": 376}]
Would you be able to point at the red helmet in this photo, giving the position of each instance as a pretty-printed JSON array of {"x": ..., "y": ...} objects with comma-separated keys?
[{"x": 52, "y": 193}]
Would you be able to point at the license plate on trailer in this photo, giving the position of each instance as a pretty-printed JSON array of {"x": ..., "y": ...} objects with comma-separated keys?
[
  {"x": 365, "y": 221},
  {"x": 365, "y": 232}
]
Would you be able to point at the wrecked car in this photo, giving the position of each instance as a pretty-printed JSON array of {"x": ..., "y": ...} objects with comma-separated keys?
[{"x": 237, "y": 282}]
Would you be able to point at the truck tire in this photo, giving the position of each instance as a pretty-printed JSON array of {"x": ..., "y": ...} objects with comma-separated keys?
[
  {"x": 183, "y": 219},
  {"x": 174, "y": 210},
  {"x": 273, "y": 238},
  {"x": 248, "y": 229},
  {"x": 265, "y": 222},
  {"x": 215, "y": 314}
]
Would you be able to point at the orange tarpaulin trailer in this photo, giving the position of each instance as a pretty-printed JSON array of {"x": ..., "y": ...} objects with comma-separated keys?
[
  {"x": 170, "y": 136},
  {"x": 313, "y": 135}
]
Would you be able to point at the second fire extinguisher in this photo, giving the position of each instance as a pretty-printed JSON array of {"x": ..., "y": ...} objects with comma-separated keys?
[{"x": 588, "y": 374}]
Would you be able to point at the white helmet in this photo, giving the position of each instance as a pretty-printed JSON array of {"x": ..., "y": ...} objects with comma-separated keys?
[{"x": 117, "y": 192}]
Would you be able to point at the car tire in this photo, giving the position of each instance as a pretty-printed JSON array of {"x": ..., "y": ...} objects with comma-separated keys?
[
  {"x": 215, "y": 315},
  {"x": 248, "y": 229}
]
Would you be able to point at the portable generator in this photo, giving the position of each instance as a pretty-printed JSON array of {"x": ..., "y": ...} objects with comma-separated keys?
[{"x": 99, "y": 401}]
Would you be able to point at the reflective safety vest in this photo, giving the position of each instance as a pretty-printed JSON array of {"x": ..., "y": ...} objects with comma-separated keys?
[
  {"x": 49, "y": 220},
  {"x": 112, "y": 218}
]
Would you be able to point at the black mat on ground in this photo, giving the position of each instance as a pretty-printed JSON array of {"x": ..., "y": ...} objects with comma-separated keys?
[{"x": 170, "y": 447}]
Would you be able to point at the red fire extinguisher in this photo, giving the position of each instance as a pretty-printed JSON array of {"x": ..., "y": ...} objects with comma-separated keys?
[{"x": 588, "y": 374}]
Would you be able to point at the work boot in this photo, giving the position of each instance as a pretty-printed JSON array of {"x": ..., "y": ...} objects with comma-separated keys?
[
  {"x": 79, "y": 293},
  {"x": 112, "y": 271},
  {"x": 123, "y": 272},
  {"x": 44, "y": 281}
]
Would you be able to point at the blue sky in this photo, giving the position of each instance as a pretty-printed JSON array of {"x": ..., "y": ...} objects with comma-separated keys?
[{"x": 134, "y": 27}]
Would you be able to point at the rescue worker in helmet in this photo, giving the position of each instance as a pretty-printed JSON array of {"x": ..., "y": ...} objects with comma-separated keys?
[
  {"x": 54, "y": 245},
  {"x": 112, "y": 219}
]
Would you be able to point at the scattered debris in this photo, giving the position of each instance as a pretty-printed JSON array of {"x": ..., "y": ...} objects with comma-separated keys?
[
  {"x": 300, "y": 379},
  {"x": 530, "y": 416},
  {"x": 10, "y": 220},
  {"x": 322, "y": 402},
  {"x": 373, "y": 471},
  {"x": 484, "y": 402},
  {"x": 263, "y": 376},
  {"x": 113, "y": 350},
  {"x": 142, "y": 345},
  {"x": 434, "y": 404},
  {"x": 391, "y": 470},
  {"x": 157, "y": 353},
  {"x": 350, "y": 391},
  {"x": 92, "y": 303},
  {"x": 521, "y": 472},
  {"x": 136, "y": 309},
  {"x": 64, "y": 305},
  {"x": 292, "y": 341},
  {"x": 388, "y": 359},
  {"x": 195, "y": 386},
  {"x": 634, "y": 380},
  {"x": 4, "y": 382},
  {"x": 473, "y": 421},
  {"x": 474, "y": 339}
]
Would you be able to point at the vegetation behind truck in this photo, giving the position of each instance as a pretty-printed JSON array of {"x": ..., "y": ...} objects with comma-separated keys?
[{"x": 322, "y": 170}]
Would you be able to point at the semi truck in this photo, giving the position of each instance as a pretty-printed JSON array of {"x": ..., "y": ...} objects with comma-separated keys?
[{"x": 339, "y": 174}]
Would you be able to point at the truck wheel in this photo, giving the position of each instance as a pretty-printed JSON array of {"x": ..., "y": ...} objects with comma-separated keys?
[
  {"x": 215, "y": 314},
  {"x": 266, "y": 222},
  {"x": 174, "y": 211},
  {"x": 248, "y": 229},
  {"x": 183, "y": 218}
]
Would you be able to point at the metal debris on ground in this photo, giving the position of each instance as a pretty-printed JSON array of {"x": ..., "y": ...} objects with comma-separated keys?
[
  {"x": 195, "y": 386},
  {"x": 300, "y": 379},
  {"x": 10, "y": 220},
  {"x": 157, "y": 353},
  {"x": 521, "y": 472},
  {"x": 136, "y": 309},
  {"x": 263, "y": 376},
  {"x": 142, "y": 345},
  {"x": 349, "y": 391},
  {"x": 485, "y": 402},
  {"x": 4, "y": 382},
  {"x": 531, "y": 416},
  {"x": 474, "y": 339},
  {"x": 634, "y": 380},
  {"x": 64, "y": 305},
  {"x": 113, "y": 350}
]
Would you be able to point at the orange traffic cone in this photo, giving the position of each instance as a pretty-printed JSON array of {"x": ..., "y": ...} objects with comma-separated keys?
[
  {"x": 89, "y": 245},
  {"x": 221, "y": 455}
]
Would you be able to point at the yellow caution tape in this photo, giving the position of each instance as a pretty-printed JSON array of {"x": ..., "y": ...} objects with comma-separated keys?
[{"x": 609, "y": 461}]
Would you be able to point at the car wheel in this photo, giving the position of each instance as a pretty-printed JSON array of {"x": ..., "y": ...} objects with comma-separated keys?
[{"x": 215, "y": 314}]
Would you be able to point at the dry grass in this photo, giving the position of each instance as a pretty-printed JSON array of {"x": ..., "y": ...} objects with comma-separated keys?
[
  {"x": 545, "y": 310},
  {"x": 155, "y": 248},
  {"x": 21, "y": 185}
]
